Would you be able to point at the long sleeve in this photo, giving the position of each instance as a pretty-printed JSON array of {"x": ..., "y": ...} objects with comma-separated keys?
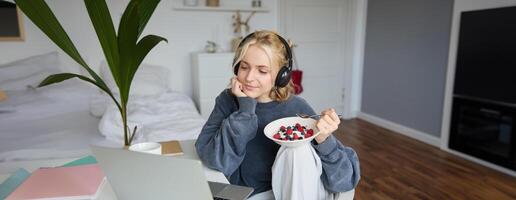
[
  {"x": 341, "y": 168},
  {"x": 222, "y": 142}
]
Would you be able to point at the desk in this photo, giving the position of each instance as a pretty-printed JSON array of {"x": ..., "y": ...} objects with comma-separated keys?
[{"x": 107, "y": 192}]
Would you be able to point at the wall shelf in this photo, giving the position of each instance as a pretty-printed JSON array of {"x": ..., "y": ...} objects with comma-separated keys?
[{"x": 178, "y": 5}]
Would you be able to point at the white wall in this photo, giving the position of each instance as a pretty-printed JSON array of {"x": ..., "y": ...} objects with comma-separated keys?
[
  {"x": 460, "y": 6},
  {"x": 186, "y": 31}
]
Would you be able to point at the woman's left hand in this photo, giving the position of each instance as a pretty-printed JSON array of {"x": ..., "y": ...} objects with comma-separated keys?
[{"x": 328, "y": 123}]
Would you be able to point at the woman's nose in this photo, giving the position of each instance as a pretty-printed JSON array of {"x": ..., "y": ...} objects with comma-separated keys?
[{"x": 250, "y": 75}]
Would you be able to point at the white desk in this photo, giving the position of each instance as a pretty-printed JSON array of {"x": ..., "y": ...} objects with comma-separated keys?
[{"x": 107, "y": 192}]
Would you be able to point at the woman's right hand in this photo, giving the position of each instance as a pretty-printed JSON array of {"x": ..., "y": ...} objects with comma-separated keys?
[{"x": 237, "y": 88}]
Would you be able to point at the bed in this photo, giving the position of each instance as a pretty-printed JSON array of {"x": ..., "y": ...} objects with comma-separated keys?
[{"x": 63, "y": 120}]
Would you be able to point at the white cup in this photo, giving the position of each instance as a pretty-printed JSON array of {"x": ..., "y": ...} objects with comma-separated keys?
[{"x": 147, "y": 147}]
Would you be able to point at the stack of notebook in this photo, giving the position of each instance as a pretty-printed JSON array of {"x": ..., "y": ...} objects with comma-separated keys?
[
  {"x": 79, "y": 179},
  {"x": 66, "y": 183}
]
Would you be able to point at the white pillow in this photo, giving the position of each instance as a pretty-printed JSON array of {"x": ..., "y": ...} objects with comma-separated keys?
[
  {"x": 28, "y": 72},
  {"x": 149, "y": 80}
]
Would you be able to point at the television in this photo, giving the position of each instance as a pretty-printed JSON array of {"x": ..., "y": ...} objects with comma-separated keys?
[{"x": 486, "y": 55}]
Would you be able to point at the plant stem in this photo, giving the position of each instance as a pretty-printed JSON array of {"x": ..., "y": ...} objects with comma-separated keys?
[{"x": 124, "y": 121}]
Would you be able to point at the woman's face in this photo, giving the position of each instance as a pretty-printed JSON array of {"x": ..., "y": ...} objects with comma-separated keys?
[{"x": 256, "y": 74}]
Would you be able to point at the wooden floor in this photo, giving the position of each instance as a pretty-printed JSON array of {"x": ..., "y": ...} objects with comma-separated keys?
[{"x": 398, "y": 167}]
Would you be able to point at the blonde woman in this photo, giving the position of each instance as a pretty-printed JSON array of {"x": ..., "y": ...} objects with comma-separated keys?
[{"x": 232, "y": 140}]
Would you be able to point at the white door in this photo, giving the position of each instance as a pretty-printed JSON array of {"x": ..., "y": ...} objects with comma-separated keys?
[{"x": 317, "y": 27}]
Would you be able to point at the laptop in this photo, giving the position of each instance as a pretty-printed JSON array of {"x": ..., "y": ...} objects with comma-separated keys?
[{"x": 135, "y": 175}]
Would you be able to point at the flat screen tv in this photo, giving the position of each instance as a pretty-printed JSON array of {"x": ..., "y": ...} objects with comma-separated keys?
[{"x": 486, "y": 55}]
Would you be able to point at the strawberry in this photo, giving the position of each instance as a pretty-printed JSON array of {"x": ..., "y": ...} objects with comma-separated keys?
[
  {"x": 277, "y": 136},
  {"x": 289, "y": 131},
  {"x": 295, "y": 136}
]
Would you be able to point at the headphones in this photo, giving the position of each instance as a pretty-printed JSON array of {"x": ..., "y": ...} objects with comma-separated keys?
[{"x": 284, "y": 73}]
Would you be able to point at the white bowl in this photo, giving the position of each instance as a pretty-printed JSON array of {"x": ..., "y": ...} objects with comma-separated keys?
[
  {"x": 147, "y": 147},
  {"x": 273, "y": 128}
]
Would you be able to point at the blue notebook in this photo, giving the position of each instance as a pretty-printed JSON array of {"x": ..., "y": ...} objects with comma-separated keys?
[
  {"x": 82, "y": 161},
  {"x": 11, "y": 183}
]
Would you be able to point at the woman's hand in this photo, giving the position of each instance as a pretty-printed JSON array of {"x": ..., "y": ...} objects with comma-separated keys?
[
  {"x": 328, "y": 123},
  {"x": 237, "y": 88}
]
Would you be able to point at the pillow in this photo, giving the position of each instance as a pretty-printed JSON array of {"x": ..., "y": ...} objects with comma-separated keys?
[
  {"x": 28, "y": 72},
  {"x": 149, "y": 80}
]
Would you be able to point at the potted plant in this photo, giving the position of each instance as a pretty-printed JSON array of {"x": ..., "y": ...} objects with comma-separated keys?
[{"x": 123, "y": 50}]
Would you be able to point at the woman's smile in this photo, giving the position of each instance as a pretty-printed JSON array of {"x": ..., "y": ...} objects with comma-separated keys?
[{"x": 249, "y": 87}]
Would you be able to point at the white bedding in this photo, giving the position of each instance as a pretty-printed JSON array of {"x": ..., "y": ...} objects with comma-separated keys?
[
  {"x": 55, "y": 122},
  {"x": 48, "y": 122},
  {"x": 162, "y": 117}
]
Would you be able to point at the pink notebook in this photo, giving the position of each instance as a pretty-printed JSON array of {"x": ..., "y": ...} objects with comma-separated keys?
[{"x": 79, "y": 182}]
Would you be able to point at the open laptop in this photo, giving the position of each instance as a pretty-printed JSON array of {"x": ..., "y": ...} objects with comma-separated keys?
[{"x": 135, "y": 175}]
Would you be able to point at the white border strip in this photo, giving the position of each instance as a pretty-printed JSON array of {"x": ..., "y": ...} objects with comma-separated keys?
[{"x": 418, "y": 135}]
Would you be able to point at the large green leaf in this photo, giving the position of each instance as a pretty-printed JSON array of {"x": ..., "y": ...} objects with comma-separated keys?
[
  {"x": 145, "y": 10},
  {"x": 41, "y": 15},
  {"x": 101, "y": 20},
  {"x": 127, "y": 37},
  {"x": 143, "y": 47}
]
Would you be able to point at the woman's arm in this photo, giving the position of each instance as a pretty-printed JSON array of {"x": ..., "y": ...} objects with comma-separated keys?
[
  {"x": 222, "y": 142},
  {"x": 341, "y": 168}
]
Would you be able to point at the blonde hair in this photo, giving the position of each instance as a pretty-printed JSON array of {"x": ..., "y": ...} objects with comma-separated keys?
[{"x": 268, "y": 41}]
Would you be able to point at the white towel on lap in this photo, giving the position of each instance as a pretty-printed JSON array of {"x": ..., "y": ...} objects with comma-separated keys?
[{"x": 296, "y": 174}]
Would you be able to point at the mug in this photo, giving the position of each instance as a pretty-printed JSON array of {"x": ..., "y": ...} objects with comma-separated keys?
[{"x": 147, "y": 147}]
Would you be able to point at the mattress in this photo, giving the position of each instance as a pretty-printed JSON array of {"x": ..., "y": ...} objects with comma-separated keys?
[
  {"x": 55, "y": 122},
  {"x": 49, "y": 122}
]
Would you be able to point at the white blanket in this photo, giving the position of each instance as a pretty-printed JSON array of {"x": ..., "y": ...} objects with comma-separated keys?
[{"x": 167, "y": 116}]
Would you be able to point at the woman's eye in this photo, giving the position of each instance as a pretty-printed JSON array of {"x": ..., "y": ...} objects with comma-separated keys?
[
  {"x": 244, "y": 67},
  {"x": 264, "y": 72}
]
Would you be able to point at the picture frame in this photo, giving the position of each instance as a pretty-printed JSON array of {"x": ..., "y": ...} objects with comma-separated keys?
[{"x": 11, "y": 22}]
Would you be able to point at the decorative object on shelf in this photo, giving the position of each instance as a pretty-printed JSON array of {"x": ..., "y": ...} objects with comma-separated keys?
[
  {"x": 256, "y": 3},
  {"x": 212, "y": 3},
  {"x": 123, "y": 51},
  {"x": 234, "y": 43},
  {"x": 211, "y": 47},
  {"x": 238, "y": 24},
  {"x": 183, "y": 5},
  {"x": 191, "y": 2}
]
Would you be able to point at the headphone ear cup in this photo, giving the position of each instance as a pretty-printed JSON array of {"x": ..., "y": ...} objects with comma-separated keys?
[{"x": 283, "y": 77}]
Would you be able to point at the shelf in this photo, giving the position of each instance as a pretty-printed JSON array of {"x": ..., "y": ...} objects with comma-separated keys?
[{"x": 178, "y": 5}]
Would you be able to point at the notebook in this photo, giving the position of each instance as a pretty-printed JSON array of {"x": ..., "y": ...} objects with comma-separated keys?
[
  {"x": 64, "y": 183},
  {"x": 82, "y": 161},
  {"x": 171, "y": 148},
  {"x": 9, "y": 185}
]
